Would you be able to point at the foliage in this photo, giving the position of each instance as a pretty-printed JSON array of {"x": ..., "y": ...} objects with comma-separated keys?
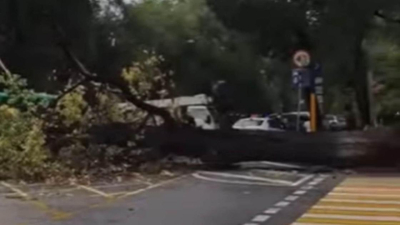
[
  {"x": 147, "y": 80},
  {"x": 201, "y": 51},
  {"x": 72, "y": 106},
  {"x": 23, "y": 154}
]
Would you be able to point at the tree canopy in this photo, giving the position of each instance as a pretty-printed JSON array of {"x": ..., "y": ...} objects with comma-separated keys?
[{"x": 248, "y": 44}]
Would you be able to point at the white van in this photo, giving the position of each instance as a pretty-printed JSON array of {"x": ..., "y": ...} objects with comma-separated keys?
[{"x": 198, "y": 107}]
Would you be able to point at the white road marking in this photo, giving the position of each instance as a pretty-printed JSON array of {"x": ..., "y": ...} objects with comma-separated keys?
[
  {"x": 282, "y": 204},
  {"x": 272, "y": 211},
  {"x": 291, "y": 198},
  {"x": 93, "y": 190},
  {"x": 250, "y": 224},
  {"x": 285, "y": 165},
  {"x": 293, "y": 184},
  {"x": 313, "y": 183},
  {"x": 251, "y": 178},
  {"x": 360, "y": 201},
  {"x": 151, "y": 187},
  {"x": 198, "y": 176},
  {"x": 319, "y": 179},
  {"x": 16, "y": 190},
  {"x": 307, "y": 187},
  {"x": 347, "y": 217},
  {"x": 363, "y": 195},
  {"x": 357, "y": 208},
  {"x": 303, "y": 180},
  {"x": 300, "y": 192},
  {"x": 261, "y": 218}
]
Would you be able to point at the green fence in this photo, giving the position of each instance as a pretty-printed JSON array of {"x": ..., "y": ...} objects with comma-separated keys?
[{"x": 38, "y": 98}]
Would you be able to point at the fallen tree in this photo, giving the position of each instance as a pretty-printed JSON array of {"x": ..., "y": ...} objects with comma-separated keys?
[{"x": 344, "y": 149}]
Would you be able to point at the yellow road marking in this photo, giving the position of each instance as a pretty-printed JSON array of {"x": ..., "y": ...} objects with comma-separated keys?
[
  {"x": 353, "y": 217},
  {"x": 94, "y": 190},
  {"x": 358, "y": 201},
  {"x": 353, "y": 212},
  {"x": 361, "y": 197},
  {"x": 343, "y": 200},
  {"x": 60, "y": 215},
  {"x": 365, "y": 209},
  {"x": 345, "y": 221},
  {"x": 366, "y": 184},
  {"x": 366, "y": 190},
  {"x": 54, "y": 214},
  {"x": 371, "y": 195},
  {"x": 352, "y": 204}
]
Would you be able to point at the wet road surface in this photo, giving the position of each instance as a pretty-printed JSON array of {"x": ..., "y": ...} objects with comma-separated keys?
[{"x": 242, "y": 197}]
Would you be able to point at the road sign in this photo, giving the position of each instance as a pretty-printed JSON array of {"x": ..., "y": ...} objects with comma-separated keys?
[
  {"x": 296, "y": 77},
  {"x": 302, "y": 77},
  {"x": 302, "y": 58}
]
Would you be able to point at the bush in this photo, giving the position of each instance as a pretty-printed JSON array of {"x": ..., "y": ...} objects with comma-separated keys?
[
  {"x": 23, "y": 154},
  {"x": 22, "y": 146}
]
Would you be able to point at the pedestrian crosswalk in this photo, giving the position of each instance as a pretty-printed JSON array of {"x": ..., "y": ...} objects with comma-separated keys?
[{"x": 358, "y": 201}]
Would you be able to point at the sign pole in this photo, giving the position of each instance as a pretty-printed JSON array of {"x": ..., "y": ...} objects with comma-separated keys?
[
  {"x": 302, "y": 60},
  {"x": 298, "y": 107}
]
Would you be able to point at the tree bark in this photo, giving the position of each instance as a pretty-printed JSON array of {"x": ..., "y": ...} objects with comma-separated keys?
[{"x": 361, "y": 81}]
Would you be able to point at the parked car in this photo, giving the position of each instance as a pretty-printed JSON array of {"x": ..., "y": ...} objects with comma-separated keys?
[
  {"x": 258, "y": 124},
  {"x": 290, "y": 120},
  {"x": 335, "y": 123}
]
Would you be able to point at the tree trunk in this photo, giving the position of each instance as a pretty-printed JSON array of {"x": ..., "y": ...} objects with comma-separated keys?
[{"x": 361, "y": 83}]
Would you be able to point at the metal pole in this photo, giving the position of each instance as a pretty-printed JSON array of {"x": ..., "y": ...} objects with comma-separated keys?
[{"x": 298, "y": 107}]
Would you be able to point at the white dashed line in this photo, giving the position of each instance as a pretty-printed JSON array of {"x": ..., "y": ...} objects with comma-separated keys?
[
  {"x": 272, "y": 211},
  {"x": 261, "y": 218},
  {"x": 300, "y": 192},
  {"x": 287, "y": 201},
  {"x": 282, "y": 204},
  {"x": 291, "y": 198}
]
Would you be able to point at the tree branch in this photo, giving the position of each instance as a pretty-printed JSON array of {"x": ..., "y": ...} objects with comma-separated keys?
[
  {"x": 381, "y": 15},
  {"x": 170, "y": 122},
  {"x": 4, "y": 68},
  {"x": 69, "y": 90}
]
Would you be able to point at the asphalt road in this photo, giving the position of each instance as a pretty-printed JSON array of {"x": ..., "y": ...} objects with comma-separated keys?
[{"x": 240, "y": 197}]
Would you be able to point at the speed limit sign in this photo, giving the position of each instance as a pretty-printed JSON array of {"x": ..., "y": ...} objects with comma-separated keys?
[{"x": 302, "y": 58}]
